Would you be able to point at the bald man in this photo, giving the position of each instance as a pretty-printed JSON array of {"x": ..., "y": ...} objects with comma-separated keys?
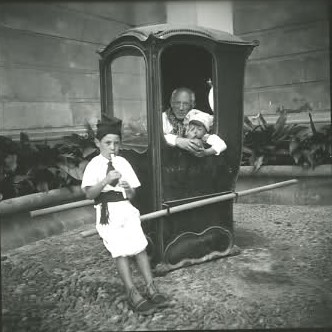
[{"x": 181, "y": 102}]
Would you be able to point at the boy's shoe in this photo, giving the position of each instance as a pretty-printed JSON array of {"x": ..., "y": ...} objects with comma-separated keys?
[
  {"x": 143, "y": 306},
  {"x": 156, "y": 297}
]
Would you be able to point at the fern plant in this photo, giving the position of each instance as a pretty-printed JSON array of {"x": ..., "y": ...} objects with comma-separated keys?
[
  {"x": 26, "y": 167},
  {"x": 313, "y": 147},
  {"x": 75, "y": 153},
  {"x": 268, "y": 144}
]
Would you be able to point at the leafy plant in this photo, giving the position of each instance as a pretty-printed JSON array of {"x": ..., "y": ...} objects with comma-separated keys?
[
  {"x": 8, "y": 169},
  {"x": 76, "y": 152},
  {"x": 312, "y": 148},
  {"x": 265, "y": 143},
  {"x": 26, "y": 167}
]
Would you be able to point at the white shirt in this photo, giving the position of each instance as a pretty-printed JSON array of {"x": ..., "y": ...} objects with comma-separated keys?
[
  {"x": 214, "y": 140},
  {"x": 123, "y": 234},
  {"x": 167, "y": 128},
  {"x": 96, "y": 169}
]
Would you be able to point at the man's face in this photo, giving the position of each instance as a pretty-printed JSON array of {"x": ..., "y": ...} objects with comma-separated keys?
[
  {"x": 108, "y": 145},
  {"x": 181, "y": 104}
]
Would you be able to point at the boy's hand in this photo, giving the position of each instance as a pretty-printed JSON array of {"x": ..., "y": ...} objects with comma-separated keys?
[
  {"x": 113, "y": 177},
  {"x": 125, "y": 185},
  {"x": 130, "y": 192}
]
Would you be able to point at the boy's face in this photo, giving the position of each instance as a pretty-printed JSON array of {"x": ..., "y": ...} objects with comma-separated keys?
[
  {"x": 196, "y": 130},
  {"x": 108, "y": 145}
]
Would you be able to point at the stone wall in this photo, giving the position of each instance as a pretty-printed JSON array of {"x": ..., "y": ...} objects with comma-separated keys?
[
  {"x": 49, "y": 75},
  {"x": 290, "y": 68},
  {"x": 21, "y": 229}
]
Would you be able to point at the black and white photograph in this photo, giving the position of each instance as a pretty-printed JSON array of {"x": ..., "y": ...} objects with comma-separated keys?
[{"x": 165, "y": 165}]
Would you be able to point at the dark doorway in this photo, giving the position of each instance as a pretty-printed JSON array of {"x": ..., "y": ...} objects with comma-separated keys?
[{"x": 189, "y": 66}]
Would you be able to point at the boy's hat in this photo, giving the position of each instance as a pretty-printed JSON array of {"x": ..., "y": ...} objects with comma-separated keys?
[
  {"x": 108, "y": 125},
  {"x": 198, "y": 116}
]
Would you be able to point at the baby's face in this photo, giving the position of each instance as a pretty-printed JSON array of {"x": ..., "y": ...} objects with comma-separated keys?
[{"x": 196, "y": 130}]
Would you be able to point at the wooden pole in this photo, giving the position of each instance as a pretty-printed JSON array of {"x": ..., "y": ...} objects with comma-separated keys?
[
  {"x": 203, "y": 202},
  {"x": 61, "y": 208},
  {"x": 40, "y": 200}
]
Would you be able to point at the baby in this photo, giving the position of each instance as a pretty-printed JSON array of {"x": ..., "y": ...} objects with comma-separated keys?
[{"x": 198, "y": 125}]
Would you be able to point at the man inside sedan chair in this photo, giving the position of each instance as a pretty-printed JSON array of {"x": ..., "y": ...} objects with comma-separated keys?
[
  {"x": 111, "y": 181},
  {"x": 175, "y": 126}
]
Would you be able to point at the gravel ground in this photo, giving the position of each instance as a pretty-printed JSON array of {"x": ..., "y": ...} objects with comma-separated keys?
[{"x": 281, "y": 279}]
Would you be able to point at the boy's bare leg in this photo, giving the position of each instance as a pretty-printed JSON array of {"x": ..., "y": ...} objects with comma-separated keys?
[
  {"x": 123, "y": 267},
  {"x": 152, "y": 292},
  {"x": 144, "y": 266}
]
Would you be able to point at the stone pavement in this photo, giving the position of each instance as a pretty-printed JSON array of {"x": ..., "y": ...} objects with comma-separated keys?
[{"x": 281, "y": 279}]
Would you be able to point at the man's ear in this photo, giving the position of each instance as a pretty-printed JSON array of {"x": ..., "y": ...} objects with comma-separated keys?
[{"x": 97, "y": 142}]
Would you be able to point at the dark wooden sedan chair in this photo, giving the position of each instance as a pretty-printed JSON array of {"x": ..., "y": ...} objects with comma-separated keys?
[{"x": 139, "y": 70}]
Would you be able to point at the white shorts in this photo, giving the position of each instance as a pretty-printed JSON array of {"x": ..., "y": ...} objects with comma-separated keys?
[{"x": 123, "y": 236}]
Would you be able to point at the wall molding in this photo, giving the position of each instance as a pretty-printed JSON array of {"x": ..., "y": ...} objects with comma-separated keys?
[
  {"x": 293, "y": 26},
  {"x": 35, "y": 33},
  {"x": 48, "y": 134},
  {"x": 289, "y": 56}
]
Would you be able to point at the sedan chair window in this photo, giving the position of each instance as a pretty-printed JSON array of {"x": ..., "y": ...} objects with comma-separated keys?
[{"x": 128, "y": 97}]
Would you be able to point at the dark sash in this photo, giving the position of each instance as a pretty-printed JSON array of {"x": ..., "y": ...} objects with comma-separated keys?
[{"x": 104, "y": 198}]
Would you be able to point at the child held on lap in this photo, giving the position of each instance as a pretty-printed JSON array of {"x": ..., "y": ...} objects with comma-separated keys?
[
  {"x": 198, "y": 125},
  {"x": 110, "y": 180}
]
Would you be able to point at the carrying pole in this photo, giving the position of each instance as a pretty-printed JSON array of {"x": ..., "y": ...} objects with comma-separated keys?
[
  {"x": 203, "y": 202},
  {"x": 60, "y": 208}
]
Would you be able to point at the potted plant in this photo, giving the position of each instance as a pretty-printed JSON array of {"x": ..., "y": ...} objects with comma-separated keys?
[
  {"x": 27, "y": 168},
  {"x": 280, "y": 151},
  {"x": 268, "y": 144},
  {"x": 310, "y": 149}
]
